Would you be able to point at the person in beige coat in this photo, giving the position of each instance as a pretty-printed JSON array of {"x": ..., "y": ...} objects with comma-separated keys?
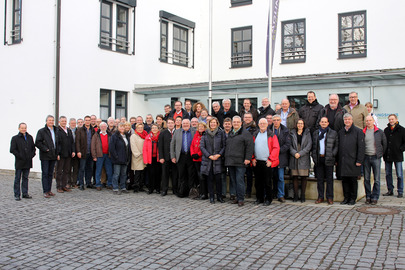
[
  {"x": 359, "y": 111},
  {"x": 137, "y": 139}
]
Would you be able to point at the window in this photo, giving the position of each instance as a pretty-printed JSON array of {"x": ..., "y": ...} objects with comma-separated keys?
[
  {"x": 343, "y": 99},
  {"x": 105, "y": 104},
  {"x": 176, "y": 40},
  {"x": 163, "y": 41},
  {"x": 117, "y": 25},
  {"x": 241, "y": 47},
  {"x": 236, "y": 3},
  {"x": 293, "y": 49},
  {"x": 120, "y": 104},
  {"x": 12, "y": 22},
  {"x": 352, "y": 35},
  {"x": 297, "y": 101}
]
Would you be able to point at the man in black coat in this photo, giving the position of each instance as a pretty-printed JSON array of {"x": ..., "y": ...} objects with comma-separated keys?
[
  {"x": 83, "y": 151},
  {"x": 23, "y": 148},
  {"x": 250, "y": 125},
  {"x": 217, "y": 112},
  {"x": 324, "y": 151},
  {"x": 238, "y": 153},
  {"x": 169, "y": 169},
  {"x": 334, "y": 112},
  {"x": 310, "y": 111},
  {"x": 66, "y": 152},
  {"x": 265, "y": 109},
  {"x": 47, "y": 143},
  {"x": 284, "y": 140},
  {"x": 395, "y": 134},
  {"x": 350, "y": 158},
  {"x": 227, "y": 111}
]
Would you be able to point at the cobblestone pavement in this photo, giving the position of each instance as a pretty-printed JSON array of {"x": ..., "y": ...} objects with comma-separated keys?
[{"x": 98, "y": 230}]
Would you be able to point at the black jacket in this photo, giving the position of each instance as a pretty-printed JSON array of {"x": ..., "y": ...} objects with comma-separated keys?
[
  {"x": 119, "y": 152},
  {"x": 251, "y": 127},
  {"x": 331, "y": 147},
  {"x": 44, "y": 142},
  {"x": 165, "y": 139},
  {"x": 173, "y": 112},
  {"x": 380, "y": 141},
  {"x": 219, "y": 115},
  {"x": 231, "y": 113},
  {"x": 23, "y": 150},
  {"x": 309, "y": 113},
  {"x": 396, "y": 143},
  {"x": 239, "y": 147},
  {"x": 284, "y": 140},
  {"x": 338, "y": 123},
  {"x": 351, "y": 151},
  {"x": 212, "y": 146},
  {"x": 252, "y": 110},
  {"x": 263, "y": 112},
  {"x": 66, "y": 143}
]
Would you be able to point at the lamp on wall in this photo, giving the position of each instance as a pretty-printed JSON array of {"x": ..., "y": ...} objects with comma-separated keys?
[{"x": 375, "y": 103}]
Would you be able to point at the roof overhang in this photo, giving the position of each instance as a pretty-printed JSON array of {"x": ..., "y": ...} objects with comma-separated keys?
[{"x": 288, "y": 83}]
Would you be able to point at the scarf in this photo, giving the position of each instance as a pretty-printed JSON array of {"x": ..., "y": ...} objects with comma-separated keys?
[
  {"x": 212, "y": 133},
  {"x": 154, "y": 138},
  {"x": 393, "y": 126},
  {"x": 143, "y": 134},
  {"x": 323, "y": 131}
]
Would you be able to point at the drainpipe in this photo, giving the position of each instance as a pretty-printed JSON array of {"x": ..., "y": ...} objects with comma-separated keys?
[{"x": 57, "y": 60}]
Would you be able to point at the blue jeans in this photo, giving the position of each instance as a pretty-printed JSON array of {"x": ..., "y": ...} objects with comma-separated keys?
[
  {"x": 237, "y": 175},
  {"x": 85, "y": 170},
  {"x": 24, "y": 184},
  {"x": 120, "y": 174},
  {"x": 106, "y": 161},
  {"x": 47, "y": 167},
  {"x": 400, "y": 176},
  {"x": 280, "y": 183},
  {"x": 372, "y": 162}
]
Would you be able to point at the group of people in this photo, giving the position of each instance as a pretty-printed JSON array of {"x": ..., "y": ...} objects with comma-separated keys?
[{"x": 196, "y": 151}]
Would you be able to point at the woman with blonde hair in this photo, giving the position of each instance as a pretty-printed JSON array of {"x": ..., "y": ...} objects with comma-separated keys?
[{"x": 137, "y": 140}]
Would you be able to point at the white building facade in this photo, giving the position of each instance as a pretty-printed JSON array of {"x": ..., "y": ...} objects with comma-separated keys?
[{"x": 128, "y": 58}]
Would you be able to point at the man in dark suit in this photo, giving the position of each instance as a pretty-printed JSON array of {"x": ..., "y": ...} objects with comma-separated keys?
[
  {"x": 180, "y": 155},
  {"x": 66, "y": 152},
  {"x": 169, "y": 169},
  {"x": 23, "y": 148},
  {"x": 47, "y": 143},
  {"x": 83, "y": 145}
]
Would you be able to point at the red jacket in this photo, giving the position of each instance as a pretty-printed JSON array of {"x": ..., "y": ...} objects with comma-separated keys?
[
  {"x": 274, "y": 149},
  {"x": 195, "y": 147},
  {"x": 147, "y": 150}
]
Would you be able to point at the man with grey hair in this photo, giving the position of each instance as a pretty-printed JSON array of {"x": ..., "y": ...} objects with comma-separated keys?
[
  {"x": 334, "y": 112},
  {"x": 66, "y": 152},
  {"x": 47, "y": 143},
  {"x": 217, "y": 112},
  {"x": 148, "y": 122},
  {"x": 100, "y": 154},
  {"x": 180, "y": 155},
  {"x": 238, "y": 153},
  {"x": 357, "y": 110},
  {"x": 194, "y": 123},
  {"x": 289, "y": 116},
  {"x": 265, "y": 109},
  {"x": 350, "y": 158},
  {"x": 111, "y": 125},
  {"x": 228, "y": 112},
  {"x": 74, "y": 162}
]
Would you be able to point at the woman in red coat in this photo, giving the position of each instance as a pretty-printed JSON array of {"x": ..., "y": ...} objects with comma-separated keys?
[
  {"x": 151, "y": 159},
  {"x": 196, "y": 154}
]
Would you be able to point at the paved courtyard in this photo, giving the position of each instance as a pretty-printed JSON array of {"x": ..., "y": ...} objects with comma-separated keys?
[{"x": 98, "y": 230}]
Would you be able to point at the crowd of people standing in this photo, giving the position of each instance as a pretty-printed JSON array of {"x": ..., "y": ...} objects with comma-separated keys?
[{"x": 196, "y": 151}]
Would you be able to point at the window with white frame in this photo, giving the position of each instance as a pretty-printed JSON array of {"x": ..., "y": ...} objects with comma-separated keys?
[
  {"x": 117, "y": 25},
  {"x": 176, "y": 40},
  {"x": 113, "y": 101},
  {"x": 13, "y": 22}
]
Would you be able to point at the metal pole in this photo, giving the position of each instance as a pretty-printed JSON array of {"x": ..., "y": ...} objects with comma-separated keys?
[
  {"x": 57, "y": 71},
  {"x": 270, "y": 54},
  {"x": 210, "y": 60}
]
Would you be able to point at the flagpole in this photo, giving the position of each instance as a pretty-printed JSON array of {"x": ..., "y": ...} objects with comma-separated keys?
[
  {"x": 270, "y": 54},
  {"x": 210, "y": 60}
]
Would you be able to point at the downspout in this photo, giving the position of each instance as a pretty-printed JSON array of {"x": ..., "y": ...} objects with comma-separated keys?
[
  {"x": 5, "y": 23},
  {"x": 57, "y": 66}
]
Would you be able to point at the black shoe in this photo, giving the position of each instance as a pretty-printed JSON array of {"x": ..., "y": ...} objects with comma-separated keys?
[
  {"x": 164, "y": 193},
  {"x": 220, "y": 200},
  {"x": 248, "y": 195},
  {"x": 303, "y": 199},
  {"x": 368, "y": 201},
  {"x": 17, "y": 198},
  {"x": 345, "y": 201},
  {"x": 149, "y": 192},
  {"x": 26, "y": 196},
  {"x": 295, "y": 198},
  {"x": 124, "y": 191},
  {"x": 389, "y": 193},
  {"x": 400, "y": 195},
  {"x": 157, "y": 191},
  {"x": 136, "y": 190},
  {"x": 203, "y": 197},
  {"x": 212, "y": 200},
  {"x": 81, "y": 187},
  {"x": 257, "y": 202},
  {"x": 267, "y": 203},
  {"x": 351, "y": 202},
  {"x": 89, "y": 186},
  {"x": 232, "y": 197},
  {"x": 224, "y": 197}
]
